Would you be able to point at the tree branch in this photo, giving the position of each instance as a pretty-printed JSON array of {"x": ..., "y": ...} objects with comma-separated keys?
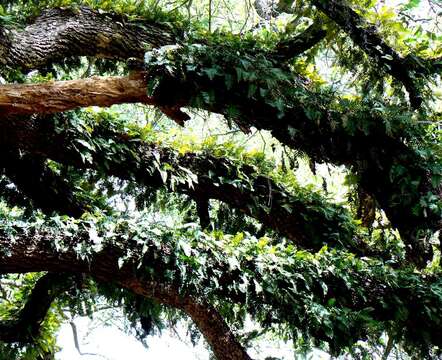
[
  {"x": 162, "y": 272},
  {"x": 77, "y": 343},
  {"x": 310, "y": 122},
  {"x": 292, "y": 47},
  {"x": 27, "y": 324},
  {"x": 368, "y": 39},
  {"x": 290, "y": 213},
  {"x": 61, "y": 33},
  {"x": 59, "y": 96},
  {"x": 104, "y": 267}
]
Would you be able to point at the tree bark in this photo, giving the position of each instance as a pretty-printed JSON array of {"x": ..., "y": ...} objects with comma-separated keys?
[
  {"x": 58, "y": 34},
  {"x": 145, "y": 274},
  {"x": 59, "y": 96},
  {"x": 35, "y": 255},
  {"x": 325, "y": 143}
]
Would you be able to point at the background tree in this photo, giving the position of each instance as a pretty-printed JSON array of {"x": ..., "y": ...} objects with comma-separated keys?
[{"x": 187, "y": 218}]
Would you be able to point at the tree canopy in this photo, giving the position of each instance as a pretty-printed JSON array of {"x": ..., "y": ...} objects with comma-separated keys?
[{"x": 262, "y": 169}]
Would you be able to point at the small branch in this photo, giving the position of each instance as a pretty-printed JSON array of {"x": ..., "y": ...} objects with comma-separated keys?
[
  {"x": 202, "y": 207},
  {"x": 388, "y": 348},
  {"x": 77, "y": 343},
  {"x": 210, "y": 16},
  {"x": 290, "y": 48}
]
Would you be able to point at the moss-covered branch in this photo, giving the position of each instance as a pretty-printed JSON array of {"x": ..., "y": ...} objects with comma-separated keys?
[
  {"x": 305, "y": 217},
  {"x": 376, "y": 140},
  {"x": 347, "y": 299}
]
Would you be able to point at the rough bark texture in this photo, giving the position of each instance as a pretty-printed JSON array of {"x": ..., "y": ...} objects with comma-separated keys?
[
  {"x": 209, "y": 321},
  {"x": 35, "y": 254},
  {"x": 61, "y": 33}
]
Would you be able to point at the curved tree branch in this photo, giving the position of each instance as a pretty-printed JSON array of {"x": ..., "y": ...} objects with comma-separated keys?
[
  {"x": 216, "y": 332},
  {"x": 377, "y": 293},
  {"x": 292, "y": 47},
  {"x": 34, "y": 256},
  {"x": 27, "y": 324},
  {"x": 214, "y": 178}
]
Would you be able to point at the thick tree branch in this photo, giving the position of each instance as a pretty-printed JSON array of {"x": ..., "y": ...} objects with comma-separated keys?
[
  {"x": 61, "y": 33},
  {"x": 380, "y": 295},
  {"x": 34, "y": 256},
  {"x": 371, "y": 151},
  {"x": 209, "y": 321},
  {"x": 61, "y": 96},
  {"x": 27, "y": 323},
  {"x": 215, "y": 178}
]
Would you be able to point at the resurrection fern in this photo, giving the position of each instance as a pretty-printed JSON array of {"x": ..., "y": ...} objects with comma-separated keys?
[{"x": 295, "y": 196}]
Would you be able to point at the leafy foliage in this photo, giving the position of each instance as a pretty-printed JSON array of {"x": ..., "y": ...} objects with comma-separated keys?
[{"x": 222, "y": 213}]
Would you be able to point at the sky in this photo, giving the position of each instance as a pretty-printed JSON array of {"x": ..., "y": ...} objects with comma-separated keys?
[
  {"x": 110, "y": 343},
  {"x": 113, "y": 344}
]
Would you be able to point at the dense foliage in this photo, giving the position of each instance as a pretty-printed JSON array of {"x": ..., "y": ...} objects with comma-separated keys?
[{"x": 284, "y": 182}]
